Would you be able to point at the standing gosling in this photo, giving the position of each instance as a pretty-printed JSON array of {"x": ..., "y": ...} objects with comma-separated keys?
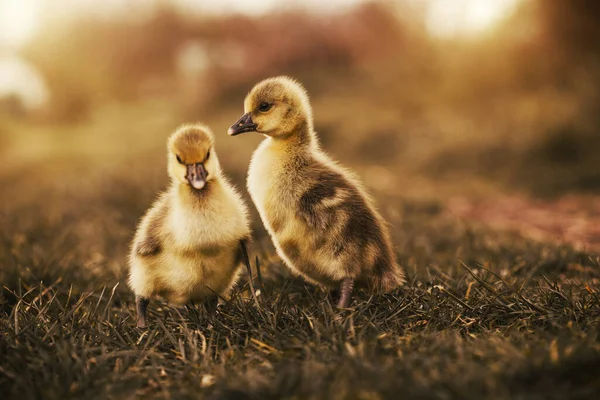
[
  {"x": 189, "y": 245},
  {"x": 322, "y": 221}
]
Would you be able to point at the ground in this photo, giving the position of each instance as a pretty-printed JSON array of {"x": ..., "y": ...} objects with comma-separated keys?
[{"x": 488, "y": 311}]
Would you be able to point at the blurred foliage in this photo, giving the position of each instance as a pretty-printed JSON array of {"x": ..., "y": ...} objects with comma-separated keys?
[
  {"x": 120, "y": 59},
  {"x": 489, "y": 106}
]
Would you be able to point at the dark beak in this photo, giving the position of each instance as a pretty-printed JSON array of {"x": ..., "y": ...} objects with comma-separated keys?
[
  {"x": 242, "y": 125},
  {"x": 196, "y": 175}
]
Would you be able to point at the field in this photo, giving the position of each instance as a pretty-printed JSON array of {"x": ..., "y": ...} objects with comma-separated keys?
[
  {"x": 481, "y": 152},
  {"x": 485, "y": 314}
]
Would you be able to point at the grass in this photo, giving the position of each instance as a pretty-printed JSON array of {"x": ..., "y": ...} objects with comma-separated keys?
[{"x": 484, "y": 314}]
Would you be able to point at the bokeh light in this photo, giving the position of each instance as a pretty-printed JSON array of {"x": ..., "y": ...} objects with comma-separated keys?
[
  {"x": 19, "y": 20},
  {"x": 451, "y": 18}
]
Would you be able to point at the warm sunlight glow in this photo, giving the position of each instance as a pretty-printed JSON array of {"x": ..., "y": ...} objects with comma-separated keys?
[
  {"x": 258, "y": 7},
  {"x": 21, "y": 80},
  {"x": 18, "y": 21},
  {"x": 451, "y": 18}
]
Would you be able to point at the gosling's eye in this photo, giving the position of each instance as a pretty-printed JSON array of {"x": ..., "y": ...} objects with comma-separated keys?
[
  {"x": 207, "y": 155},
  {"x": 179, "y": 160},
  {"x": 264, "y": 107}
]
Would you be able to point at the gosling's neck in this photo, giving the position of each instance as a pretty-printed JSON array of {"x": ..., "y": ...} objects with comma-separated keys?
[
  {"x": 301, "y": 139},
  {"x": 187, "y": 196}
]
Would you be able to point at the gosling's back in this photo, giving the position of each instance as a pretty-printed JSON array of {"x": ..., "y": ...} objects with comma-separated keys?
[{"x": 321, "y": 220}]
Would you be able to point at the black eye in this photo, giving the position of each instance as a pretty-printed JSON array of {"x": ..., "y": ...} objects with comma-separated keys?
[
  {"x": 264, "y": 107},
  {"x": 208, "y": 155},
  {"x": 179, "y": 160}
]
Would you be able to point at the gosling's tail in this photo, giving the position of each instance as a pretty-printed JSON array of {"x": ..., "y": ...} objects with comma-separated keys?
[{"x": 389, "y": 279}]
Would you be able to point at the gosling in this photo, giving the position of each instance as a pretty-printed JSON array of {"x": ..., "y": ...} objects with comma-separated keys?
[
  {"x": 321, "y": 220},
  {"x": 189, "y": 245}
]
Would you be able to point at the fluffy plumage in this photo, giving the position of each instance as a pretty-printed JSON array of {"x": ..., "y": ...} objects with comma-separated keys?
[
  {"x": 322, "y": 221},
  {"x": 188, "y": 246}
]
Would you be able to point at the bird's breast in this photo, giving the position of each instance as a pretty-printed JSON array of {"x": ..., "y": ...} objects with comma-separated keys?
[{"x": 272, "y": 191}]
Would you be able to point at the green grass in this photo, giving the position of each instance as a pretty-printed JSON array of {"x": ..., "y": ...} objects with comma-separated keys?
[{"x": 484, "y": 314}]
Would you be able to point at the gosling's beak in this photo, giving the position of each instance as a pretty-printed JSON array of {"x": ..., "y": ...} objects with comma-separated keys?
[
  {"x": 196, "y": 175},
  {"x": 244, "y": 124}
]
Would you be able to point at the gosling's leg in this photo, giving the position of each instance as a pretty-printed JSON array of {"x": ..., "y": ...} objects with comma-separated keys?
[
  {"x": 211, "y": 305},
  {"x": 345, "y": 293},
  {"x": 246, "y": 261},
  {"x": 245, "y": 258},
  {"x": 141, "y": 304}
]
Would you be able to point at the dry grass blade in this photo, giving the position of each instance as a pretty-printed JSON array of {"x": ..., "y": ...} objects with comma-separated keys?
[{"x": 75, "y": 337}]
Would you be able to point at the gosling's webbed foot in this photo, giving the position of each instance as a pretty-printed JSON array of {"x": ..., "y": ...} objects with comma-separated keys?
[
  {"x": 346, "y": 288},
  {"x": 141, "y": 304}
]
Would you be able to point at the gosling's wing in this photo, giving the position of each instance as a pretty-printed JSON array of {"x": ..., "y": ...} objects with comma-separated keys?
[
  {"x": 148, "y": 239},
  {"x": 148, "y": 245},
  {"x": 323, "y": 202},
  {"x": 338, "y": 213}
]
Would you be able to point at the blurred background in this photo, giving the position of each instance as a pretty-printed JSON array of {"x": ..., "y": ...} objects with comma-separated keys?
[{"x": 454, "y": 102}]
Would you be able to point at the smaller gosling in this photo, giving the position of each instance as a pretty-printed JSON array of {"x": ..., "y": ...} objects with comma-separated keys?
[
  {"x": 189, "y": 245},
  {"x": 322, "y": 221}
]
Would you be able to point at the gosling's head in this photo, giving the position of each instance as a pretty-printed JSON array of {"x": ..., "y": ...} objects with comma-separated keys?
[
  {"x": 276, "y": 107},
  {"x": 191, "y": 156}
]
